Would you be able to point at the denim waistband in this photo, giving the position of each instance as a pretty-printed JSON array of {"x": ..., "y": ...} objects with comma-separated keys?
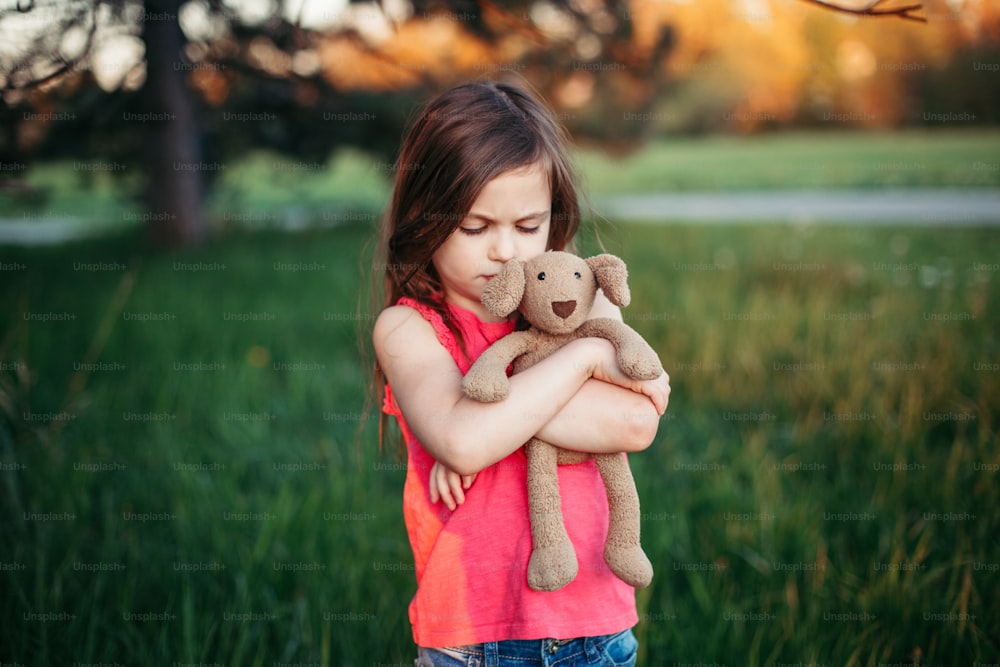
[{"x": 548, "y": 650}]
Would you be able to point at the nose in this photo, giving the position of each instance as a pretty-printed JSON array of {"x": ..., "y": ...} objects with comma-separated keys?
[
  {"x": 504, "y": 245},
  {"x": 563, "y": 308}
]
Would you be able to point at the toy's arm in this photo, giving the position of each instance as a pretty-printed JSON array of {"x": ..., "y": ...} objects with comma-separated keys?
[
  {"x": 635, "y": 356},
  {"x": 487, "y": 380}
]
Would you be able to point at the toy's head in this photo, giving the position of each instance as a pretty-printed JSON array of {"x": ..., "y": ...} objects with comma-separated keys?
[{"x": 555, "y": 290}]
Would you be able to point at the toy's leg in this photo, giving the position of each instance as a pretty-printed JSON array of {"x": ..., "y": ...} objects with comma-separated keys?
[
  {"x": 553, "y": 561},
  {"x": 623, "y": 551}
]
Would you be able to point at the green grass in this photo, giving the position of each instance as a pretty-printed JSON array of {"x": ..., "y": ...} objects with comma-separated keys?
[{"x": 226, "y": 512}]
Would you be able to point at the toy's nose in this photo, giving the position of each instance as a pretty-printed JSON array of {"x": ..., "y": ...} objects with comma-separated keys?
[{"x": 563, "y": 308}]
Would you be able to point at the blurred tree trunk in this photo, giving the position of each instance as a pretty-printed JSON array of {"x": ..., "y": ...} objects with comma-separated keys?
[{"x": 172, "y": 151}]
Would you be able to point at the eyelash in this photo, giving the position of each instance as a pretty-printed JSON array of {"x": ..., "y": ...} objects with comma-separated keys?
[{"x": 480, "y": 230}]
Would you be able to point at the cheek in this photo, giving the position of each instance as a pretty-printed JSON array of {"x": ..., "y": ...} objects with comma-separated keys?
[
  {"x": 541, "y": 245},
  {"x": 547, "y": 234},
  {"x": 445, "y": 255},
  {"x": 536, "y": 243},
  {"x": 436, "y": 262},
  {"x": 455, "y": 257}
]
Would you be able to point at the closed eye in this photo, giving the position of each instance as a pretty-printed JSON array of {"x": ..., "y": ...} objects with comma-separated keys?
[
  {"x": 530, "y": 223},
  {"x": 473, "y": 231}
]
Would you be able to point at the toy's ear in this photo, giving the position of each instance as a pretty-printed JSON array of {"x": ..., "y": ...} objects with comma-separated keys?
[
  {"x": 612, "y": 277},
  {"x": 502, "y": 295}
]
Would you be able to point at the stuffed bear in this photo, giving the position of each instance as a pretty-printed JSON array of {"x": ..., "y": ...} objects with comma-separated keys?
[{"x": 555, "y": 292}]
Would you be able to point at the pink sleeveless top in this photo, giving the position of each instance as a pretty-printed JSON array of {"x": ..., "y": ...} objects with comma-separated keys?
[{"x": 471, "y": 563}]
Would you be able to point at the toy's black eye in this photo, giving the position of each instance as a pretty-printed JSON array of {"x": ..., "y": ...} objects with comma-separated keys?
[
  {"x": 541, "y": 276},
  {"x": 577, "y": 274}
]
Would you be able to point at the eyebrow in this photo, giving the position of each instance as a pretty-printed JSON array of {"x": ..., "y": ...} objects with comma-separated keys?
[{"x": 529, "y": 216}]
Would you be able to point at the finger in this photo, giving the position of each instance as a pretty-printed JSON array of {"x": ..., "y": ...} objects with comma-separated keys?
[
  {"x": 455, "y": 482},
  {"x": 653, "y": 393},
  {"x": 663, "y": 396},
  {"x": 467, "y": 481},
  {"x": 444, "y": 489},
  {"x": 659, "y": 404},
  {"x": 439, "y": 486},
  {"x": 449, "y": 501},
  {"x": 435, "y": 496},
  {"x": 446, "y": 497}
]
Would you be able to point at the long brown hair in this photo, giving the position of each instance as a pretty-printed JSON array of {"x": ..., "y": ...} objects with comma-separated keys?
[{"x": 460, "y": 141}]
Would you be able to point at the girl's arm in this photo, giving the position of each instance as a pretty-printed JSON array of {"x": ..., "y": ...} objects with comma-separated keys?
[
  {"x": 600, "y": 418},
  {"x": 466, "y": 435}
]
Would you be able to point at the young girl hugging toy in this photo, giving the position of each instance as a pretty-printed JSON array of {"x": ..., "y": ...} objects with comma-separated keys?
[{"x": 483, "y": 177}]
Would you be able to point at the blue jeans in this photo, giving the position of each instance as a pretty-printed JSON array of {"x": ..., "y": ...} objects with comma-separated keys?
[{"x": 617, "y": 650}]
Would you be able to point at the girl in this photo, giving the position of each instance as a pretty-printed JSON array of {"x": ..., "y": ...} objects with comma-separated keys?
[{"x": 482, "y": 178}]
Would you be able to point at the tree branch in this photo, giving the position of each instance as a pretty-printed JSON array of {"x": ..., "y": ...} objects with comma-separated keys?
[{"x": 872, "y": 10}]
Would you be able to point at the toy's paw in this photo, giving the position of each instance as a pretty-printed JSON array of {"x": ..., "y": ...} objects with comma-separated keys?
[
  {"x": 485, "y": 388},
  {"x": 629, "y": 564},
  {"x": 639, "y": 364},
  {"x": 551, "y": 568}
]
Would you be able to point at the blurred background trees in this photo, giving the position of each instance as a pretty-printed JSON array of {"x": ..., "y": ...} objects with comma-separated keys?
[{"x": 167, "y": 94}]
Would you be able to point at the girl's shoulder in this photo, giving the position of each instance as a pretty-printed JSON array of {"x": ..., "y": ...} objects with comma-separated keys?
[
  {"x": 414, "y": 361},
  {"x": 398, "y": 320},
  {"x": 406, "y": 308},
  {"x": 409, "y": 327}
]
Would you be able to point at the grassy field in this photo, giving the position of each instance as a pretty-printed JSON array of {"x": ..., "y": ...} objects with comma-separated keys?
[{"x": 184, "y": 481}]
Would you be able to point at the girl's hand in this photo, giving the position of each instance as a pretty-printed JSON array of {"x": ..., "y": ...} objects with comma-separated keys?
[
  {"x": 606, "y": 369},
  {"x": 448, "y": 485},
  {"x": 658, "y": 391}
]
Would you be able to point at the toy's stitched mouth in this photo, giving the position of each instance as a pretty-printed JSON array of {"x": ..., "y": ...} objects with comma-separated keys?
[{"x": 563, "y": 308}]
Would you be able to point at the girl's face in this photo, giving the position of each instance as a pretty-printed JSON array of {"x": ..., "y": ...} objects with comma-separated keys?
[{"x": 509, "y": 220}]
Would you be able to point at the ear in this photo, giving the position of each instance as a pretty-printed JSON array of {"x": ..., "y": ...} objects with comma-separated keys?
[
  {"x": 612, "y": 277},
  {"x": 502, "y": 295}
]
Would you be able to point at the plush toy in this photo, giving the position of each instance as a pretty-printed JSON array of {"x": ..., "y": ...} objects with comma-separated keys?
[{"x": 555, "y": 292}]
